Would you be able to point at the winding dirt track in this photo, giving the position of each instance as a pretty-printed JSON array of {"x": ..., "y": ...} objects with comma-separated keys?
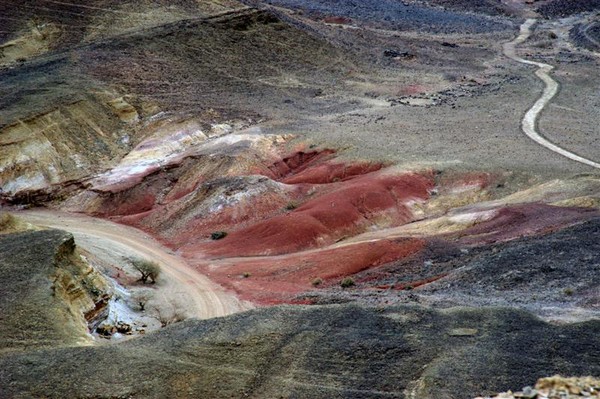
[
  {"x": 200, "y": 297},
  {"x": 551, "y": 88}
]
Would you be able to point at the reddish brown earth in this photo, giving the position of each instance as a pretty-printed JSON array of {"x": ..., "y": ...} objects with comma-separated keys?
[
  {"x": 297, "y": 206},
  {"x": 524, "y": 220},
  {"x": 351, "y": 207},
  {"x": 337, "y": 20},
  {"x": 275, "y": 279},
  {"x": 316, "y": 167},
  {"x": 310, "y": 181},
  {"x": 287, "y": 219},
  {"x": 460, "y": 181}
]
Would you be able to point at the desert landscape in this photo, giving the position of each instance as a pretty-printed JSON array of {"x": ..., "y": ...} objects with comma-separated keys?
[{"x": 300, "y": 199}]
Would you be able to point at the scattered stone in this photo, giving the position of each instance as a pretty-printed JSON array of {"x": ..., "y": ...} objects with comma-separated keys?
[
  {"x": 106, "y": 330},
  {"x": 557, "y": 387},
  {"x": 123, "y": 328},
  {"x": 463, "y": 332},
  {"x": 398, "y": 54},
  {"x": 527, "y": 393},
  {"x": 451, "y": 45}
]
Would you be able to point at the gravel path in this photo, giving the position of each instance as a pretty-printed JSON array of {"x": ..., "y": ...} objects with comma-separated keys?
[
  {"x": 551, "y": 88},
  {"x": 180, "y": 283}
]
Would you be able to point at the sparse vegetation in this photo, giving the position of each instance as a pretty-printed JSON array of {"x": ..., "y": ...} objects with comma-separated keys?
[
  {"x": 8, "y": 222},
  {"x": 174, "y": 314},
  {"x": 148, "y": 269},
  {"x": 142, "y": 297},
  {"x": 187, "y": 118},
  {"x": 347, "y": 282},
  {"x": 290, "y": 206},
  {"x": 217, "y": 235}
]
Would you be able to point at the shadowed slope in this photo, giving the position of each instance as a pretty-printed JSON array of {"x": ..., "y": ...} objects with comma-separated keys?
[{"x": 316, "y": 352}]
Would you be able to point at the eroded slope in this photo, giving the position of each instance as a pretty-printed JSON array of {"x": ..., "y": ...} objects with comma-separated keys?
[
  {"x": 49, "y": 292},
  {"x": 317, "y": 352}
]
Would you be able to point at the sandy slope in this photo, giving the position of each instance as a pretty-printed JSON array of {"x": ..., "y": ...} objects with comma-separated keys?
[{"x": 180, "y": 284}]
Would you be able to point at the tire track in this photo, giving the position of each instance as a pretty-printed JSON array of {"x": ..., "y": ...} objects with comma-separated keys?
[
  {"x": 529, "y": 122},
  {"x": 203, "y": 298}
]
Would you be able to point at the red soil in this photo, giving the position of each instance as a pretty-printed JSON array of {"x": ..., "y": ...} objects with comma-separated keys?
[
  {"x": 334, "y": 200},
  {"x": 246, "y": 212},
  {"x": 524, "y": 220},
  {"x": 274, "y": 279},
  {"x": 315, "y": 167},
  {"x": 337, "y": 20},
  {"x": 348, "y": 210},
  {"x": 332, "y": 172},
  {"x": 123, "y": 204},
  {"x": 295, "y": 163},
  {"x": 412, "y": 90},
  {"x": 453, "y": 181}
]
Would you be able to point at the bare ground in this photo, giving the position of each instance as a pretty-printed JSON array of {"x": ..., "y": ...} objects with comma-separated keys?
[{"x": 180, "y": 285}]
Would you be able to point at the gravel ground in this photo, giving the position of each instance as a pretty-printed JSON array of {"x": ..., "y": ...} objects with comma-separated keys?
[
  {"x": 552, "y": 276},
  {"x": 316, "y": 352},
  {"x": 565, "y": 8},
  {"x": 399, "y": 15}
]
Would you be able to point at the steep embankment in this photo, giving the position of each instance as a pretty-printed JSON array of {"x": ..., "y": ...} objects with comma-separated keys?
[
  {"x": 49, "y": 292},
  {"x": 64, "y": 145},
  {"x": 78, "y": 108},
  {"x": 316, "y": 352},
  {"x": 193, "y": 294}
]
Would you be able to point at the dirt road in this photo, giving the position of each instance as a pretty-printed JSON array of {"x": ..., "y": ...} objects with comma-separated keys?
[
  {"x": 550, "y": 89},
  {"x": 200, "y": 297}
]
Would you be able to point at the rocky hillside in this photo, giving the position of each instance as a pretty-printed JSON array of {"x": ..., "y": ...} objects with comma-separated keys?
[
  {"x": 344, "y": 188},
  {"x": 49, "y": 292},
  {"x": 316, "y": 352},
  {"x": 558, "y": 387}
]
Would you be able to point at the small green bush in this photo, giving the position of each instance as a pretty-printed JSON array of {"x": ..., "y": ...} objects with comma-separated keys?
[
  {"x": 217, "y": 235},
  {"x": 148, "y": 269},
  {"x": 347, "y": 282},
  {"x": 316, "y": 282},
  {"x": 290, "y": 206},
  {"x": 7, "y": 222}
]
